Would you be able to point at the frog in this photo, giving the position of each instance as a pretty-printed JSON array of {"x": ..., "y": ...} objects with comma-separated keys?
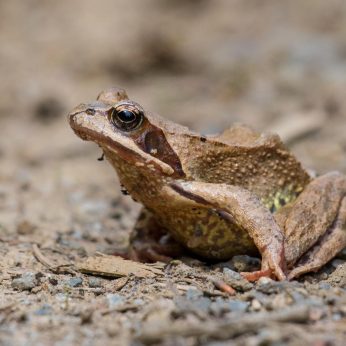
[{"x": 238, "y": 192}]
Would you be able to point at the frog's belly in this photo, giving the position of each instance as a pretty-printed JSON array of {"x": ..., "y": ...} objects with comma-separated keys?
[{"x": 207, "y": 233}]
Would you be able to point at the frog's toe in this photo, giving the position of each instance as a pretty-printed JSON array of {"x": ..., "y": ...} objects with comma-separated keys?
[
  {"x": 310, "y": 267},
  {"x": 147, "y": 255},
  {"x": 254, "y": 276}
]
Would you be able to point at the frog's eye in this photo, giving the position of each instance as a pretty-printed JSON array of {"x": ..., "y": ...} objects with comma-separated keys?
[{"x": 127, "y": 117}]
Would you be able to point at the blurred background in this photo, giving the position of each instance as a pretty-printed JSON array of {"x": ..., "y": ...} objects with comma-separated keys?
[{"x": 275, "y": 65}]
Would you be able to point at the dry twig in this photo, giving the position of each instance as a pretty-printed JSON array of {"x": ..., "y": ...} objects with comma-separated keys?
[{"x": 223, "y": 286}]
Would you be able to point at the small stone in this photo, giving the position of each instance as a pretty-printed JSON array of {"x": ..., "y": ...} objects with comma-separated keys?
[
  {"x": 202, "y": 304},
  {"x": 25, "y": 228},
  {"x": 193, "y": 294},
  {"x": 276, "y": 287},
  {"x": 149, "y": 281},
  {"x": 264, "y": 280},
  {"x": 222, "y": 265},
  {"x": 195, "y": 297},
  {"x": 279, "y": 302},
  {"x": 338, "y": 262},
  {"x": 324, "y": 286},
  {"x": 255, "y": 305},
  {"x": 336, "y": 317},
  {"x": 262, "y": 298},
  {"x": 316, "y": 314},
  {"x": 236, "y": 281},
  {"x": 238, "y": 306},
  {"x": 53, "y": 281},
  {"x": 317, "y": 302},
  {"x": 75, "y": 282},
  {"x": 297, "y": 297},
  {"x": 139, "y": 302},
  {"x": 244, "y": 263},
  {"x": 45, "y": 310},
  {"x": 114, "y": 300},
  {"x": 36, "y": 289},
  {"x": 94, "y": 282},
  {"x": 24, "y": 283},
  {"x": 219, "y": 307}
]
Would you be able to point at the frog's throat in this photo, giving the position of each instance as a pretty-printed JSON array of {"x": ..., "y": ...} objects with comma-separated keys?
[{"x": 119, "y": 149}]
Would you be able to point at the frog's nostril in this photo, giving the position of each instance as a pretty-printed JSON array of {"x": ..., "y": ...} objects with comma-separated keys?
[{"x": 90, "y": 111}]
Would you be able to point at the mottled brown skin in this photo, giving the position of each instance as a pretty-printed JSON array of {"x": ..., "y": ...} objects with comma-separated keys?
[{"x": 219, "y": 196}]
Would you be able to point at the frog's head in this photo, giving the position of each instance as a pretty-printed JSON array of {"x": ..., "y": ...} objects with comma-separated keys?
[{"x": 124, "y": 129}]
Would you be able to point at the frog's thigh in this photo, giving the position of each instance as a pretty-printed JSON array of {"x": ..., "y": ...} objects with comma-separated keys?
[
  {"x": 313, "y": 212},
  {"x": 249, "y": 212},
  {"x": 333, "y": 241},
  {"x": 149, "y": 242}
]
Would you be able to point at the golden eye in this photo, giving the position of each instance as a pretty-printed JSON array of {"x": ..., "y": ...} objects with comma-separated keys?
[{"x": 127, "y": 117}]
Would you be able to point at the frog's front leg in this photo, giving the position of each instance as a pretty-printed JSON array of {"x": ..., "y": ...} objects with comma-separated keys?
[
  {"x": 251, "y": 215},
  {"x": 149, "y": 242}
]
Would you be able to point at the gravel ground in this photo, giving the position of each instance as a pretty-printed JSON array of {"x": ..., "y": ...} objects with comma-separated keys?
[{"x": 278, "y": 66}]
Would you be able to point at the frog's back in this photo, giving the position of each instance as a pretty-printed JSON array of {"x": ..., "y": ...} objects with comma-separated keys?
[{"x": 258, "y": 162}]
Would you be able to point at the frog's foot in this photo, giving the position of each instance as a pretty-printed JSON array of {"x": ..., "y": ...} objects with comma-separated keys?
[
  {"x": 146, "y": 254},
  {"x": 329, "y": 244},
  {"x": 269, "y": 269},
  {"x": 150, "y": 243}
]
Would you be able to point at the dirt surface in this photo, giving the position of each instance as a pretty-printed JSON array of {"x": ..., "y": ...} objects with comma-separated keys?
[{"x": 276, "y": 65}]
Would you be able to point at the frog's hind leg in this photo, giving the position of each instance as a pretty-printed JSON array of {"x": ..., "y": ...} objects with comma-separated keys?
[
  {"x": 149, "y": 242},
  {"x": 332, "y": 242},
  {"x": 250, "y": 214},
  {"x": 312, "y": 214}
]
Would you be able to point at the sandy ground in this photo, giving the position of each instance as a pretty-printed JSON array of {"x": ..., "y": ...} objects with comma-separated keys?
[{"x": 278, "y": 66}]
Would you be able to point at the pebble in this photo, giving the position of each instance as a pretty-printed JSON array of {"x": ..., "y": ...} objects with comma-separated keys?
[
  {"x": 25, "y": 283},
  {"x": 338, "y": 262},
  {"x": 114, "y": 300},
  {"x": 36, "y": 289},
  {"x": 238, "y": 306},
  {"x": 45, "y": 310},
  {"x": 94, "y": 282},
  {"x": 219, "y": 307},
  {"x": 336, "y": 317},
  {"x": 198, "y": 300},
  {"x": 324, "y": 286},
  {"x": 262, "y": 298},
  {"x": 236, "y": 281},
  {"x": 139, "y": 302},
  {"x": 297, "y": 297},
  {"x": 255, "y": 305},
  {"x": 53, "y": 281},
  {"x": 75, "y": 282},
  {"x": 277, "y": 287},
  {"x": 264, "y": 280},
  {"x": 193, "y": 294},
  {"x": 244, "y": 263},
  {"x": 318, "y": 302},
  {"x": 203, "y": 303}
]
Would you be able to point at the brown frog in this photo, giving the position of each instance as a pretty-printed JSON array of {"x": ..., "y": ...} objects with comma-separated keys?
[{"x": 238, "y": 192}]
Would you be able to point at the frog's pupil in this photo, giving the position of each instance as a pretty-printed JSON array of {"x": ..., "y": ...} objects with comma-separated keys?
[{"x": 126, "y": 116}]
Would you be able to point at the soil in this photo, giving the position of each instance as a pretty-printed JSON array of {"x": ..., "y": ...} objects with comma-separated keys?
[{"x": 278, "y": 66}]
